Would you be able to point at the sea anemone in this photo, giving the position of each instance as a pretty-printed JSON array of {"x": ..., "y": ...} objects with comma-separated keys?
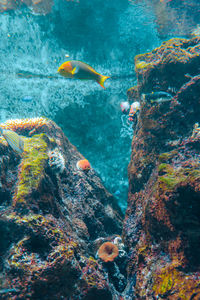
[
  {"x": 108, "y": 251},
  {"x": 56, "y": 161},
  {"x": 83, "y": 165}
]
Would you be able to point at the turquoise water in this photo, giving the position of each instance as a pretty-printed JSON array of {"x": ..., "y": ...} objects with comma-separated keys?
[{"x": 105, "y": 35}]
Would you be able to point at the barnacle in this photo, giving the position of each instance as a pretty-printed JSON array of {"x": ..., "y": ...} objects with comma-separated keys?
[
  {"x": 108, "y": 251},
  {"x": 56, "y": 161}
]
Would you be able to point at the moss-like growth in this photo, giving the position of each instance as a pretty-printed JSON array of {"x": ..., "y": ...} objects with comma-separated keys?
[
  {"x": 169, "y": 281},
  {"x": 165, "y": 157},
  {"x": 162, "y": 167},
  {"x": 140, "y": 65},
  {"x": 31, "y": 169},
  {"x": 175, "y": 176}
]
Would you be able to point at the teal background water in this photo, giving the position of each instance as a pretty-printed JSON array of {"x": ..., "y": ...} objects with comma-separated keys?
[{"x": 105, "y": 35}]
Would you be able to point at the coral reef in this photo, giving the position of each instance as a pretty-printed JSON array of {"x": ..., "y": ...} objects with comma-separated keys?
[
  {"x": 50, "y": 215},
  {"x": 161, "y": 227}
]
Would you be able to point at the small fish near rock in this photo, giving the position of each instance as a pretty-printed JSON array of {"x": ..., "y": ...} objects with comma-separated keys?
[
  {"x": 157, "y": 97},
  {"x": 80, "y": 70},
  {"x": 13, "y": 140}
]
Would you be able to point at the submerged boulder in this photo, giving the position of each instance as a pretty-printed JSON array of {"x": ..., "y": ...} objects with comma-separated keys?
[
  {"x": 162, "y": 223},
  {"x": 51, "y": 213}
]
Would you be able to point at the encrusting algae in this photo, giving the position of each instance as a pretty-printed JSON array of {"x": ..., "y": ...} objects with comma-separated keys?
[
  {"x": 170, "y": 278},
  {"x": 31, "y": 169}
]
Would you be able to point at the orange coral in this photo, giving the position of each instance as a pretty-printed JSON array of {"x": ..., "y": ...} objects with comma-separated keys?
[
  {"x": 28, "y": 124},
  {"x": 108, "y": 251},
  {"x": 83, "y": 164}
]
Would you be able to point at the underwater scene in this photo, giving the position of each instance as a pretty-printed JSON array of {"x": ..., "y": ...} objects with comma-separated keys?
[{"x": 100, "y": 149}]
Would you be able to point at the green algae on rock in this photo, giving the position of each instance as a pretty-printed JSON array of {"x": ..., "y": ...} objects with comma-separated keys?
[
  {"x": 32, "y": 167},
  {"x": 165, "y": 67}
]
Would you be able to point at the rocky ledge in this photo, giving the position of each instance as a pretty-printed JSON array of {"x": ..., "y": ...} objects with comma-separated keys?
[
  {"x": 54, "y": 216},
  {"x": 162, "y": 223}
]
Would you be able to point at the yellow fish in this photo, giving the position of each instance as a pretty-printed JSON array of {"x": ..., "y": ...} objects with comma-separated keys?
[
  {"x": 13, "y": 140},
  {"x": 80, "y": 70}
]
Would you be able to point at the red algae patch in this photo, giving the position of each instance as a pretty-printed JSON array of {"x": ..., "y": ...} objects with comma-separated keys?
[
  {"x": 83, "y": 164},
  {"x": 108, "y": 251}
]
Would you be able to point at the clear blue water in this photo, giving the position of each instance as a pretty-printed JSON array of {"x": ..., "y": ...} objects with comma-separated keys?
[{"x": 105, "y": 35}]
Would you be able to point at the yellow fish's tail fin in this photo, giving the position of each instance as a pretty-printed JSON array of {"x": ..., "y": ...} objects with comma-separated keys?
[{"x": 101, "y": 79}]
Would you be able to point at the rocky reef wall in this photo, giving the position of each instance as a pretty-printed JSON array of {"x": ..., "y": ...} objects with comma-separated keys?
[
  {"x": 53, "y": 218},
  {"x": 162, "y": 222},
  {"x": 60, "y": 229}
]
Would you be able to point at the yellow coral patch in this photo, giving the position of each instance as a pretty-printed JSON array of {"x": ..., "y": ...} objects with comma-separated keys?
[
  {"x": 171, "y": 282},
  {"x": 142, "y": 65},
  {"x": 31, "y": 169}
]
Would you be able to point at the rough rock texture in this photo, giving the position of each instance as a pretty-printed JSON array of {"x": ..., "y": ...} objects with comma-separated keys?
[
  {"x": 51, "y": 217},
  {"x": 162, "y": 223}
]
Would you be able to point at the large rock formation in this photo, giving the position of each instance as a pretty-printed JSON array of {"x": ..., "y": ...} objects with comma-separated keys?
[
  {"x": 53, "y": 218},
  {"x": 162, "y": 223}
]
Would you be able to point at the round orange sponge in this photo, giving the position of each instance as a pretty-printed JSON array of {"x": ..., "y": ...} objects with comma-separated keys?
[
  {"x": 108, "y": 251},
  {"x": 83, "y": 164}
]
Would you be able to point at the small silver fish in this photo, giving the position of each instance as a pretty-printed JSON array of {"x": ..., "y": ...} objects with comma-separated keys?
[
  {"x": 156, "y": 95},
  {"x": 13, "y": 140}
]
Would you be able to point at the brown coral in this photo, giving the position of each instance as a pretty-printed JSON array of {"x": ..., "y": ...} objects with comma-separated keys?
[{"x": 108, "y": 251}]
